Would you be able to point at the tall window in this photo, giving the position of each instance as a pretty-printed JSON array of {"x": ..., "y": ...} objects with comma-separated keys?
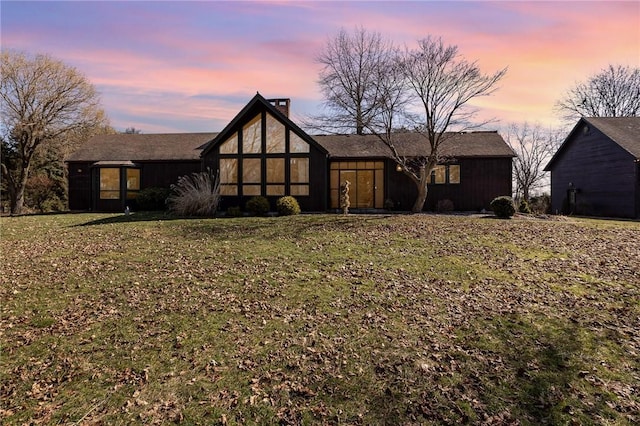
[
  {"x": 270, "y": 154},
  {"x": 366, "y": 179},
  {"x": 109, "y": 183},
  {"x": 133, "y": 183}
]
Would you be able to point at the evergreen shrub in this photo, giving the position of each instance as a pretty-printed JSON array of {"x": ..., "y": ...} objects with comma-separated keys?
[
  {"x": 287, "y": 206},
  {"x": 503, "y": 207},
  {"x": 258, "y": 206},
  {"x": 523, "y": 207},
  {"x": 152, "y": 199}
]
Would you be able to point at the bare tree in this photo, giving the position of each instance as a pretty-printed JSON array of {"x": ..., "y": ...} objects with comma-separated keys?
[
  {"x": 534, "y": 147},
  {"x": 348, "y": 79},
  {"x": 42, "y": 100},
  {"x": 426, "y": 90},
  {"x": 613, "y": 92}
]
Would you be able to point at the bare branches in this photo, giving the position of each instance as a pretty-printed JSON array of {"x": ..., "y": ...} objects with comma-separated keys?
[
  {"x": 348, "y": 80},
  {"x": 613, "y": 92},
  {"x": 534, "y": 147}
]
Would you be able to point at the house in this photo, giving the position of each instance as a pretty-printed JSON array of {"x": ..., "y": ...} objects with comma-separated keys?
[
  {"x": 262, "y": 152},
  {"x": 596, "y": 170}
]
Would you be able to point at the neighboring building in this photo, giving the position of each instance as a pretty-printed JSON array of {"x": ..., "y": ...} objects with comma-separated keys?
[
  {"x": 596, "y": 170},
  {"x": 262, "y": 152}
]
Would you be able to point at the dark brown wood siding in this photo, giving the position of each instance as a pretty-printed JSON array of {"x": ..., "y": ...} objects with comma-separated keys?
[
  {"x": 604, "y": 175},
  {"x": 481, "y": 180},
  {"x": 79, "y": 175}
]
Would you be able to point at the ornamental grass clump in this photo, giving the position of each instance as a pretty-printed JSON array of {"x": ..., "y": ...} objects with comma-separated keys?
[
  {"x": 197, "y": 194},
  {"x": 258, "y": 206},
  {"x": 287, "y": 206},
  {"x": 503, "y": 207}
]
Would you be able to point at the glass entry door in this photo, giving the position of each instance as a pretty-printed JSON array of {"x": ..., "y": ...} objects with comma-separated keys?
[{"x": 366, "y": 189}]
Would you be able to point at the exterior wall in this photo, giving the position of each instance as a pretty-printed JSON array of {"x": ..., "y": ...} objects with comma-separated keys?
[
  {"x": 603, "y": 174},
  {"x": 84, "y": 185},
  {"x": 481, "y": 180},
  {"x": 79, "y": 175}
]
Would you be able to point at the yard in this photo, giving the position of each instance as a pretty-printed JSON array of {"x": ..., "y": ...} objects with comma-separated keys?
[{"x": 419, "y": 319}]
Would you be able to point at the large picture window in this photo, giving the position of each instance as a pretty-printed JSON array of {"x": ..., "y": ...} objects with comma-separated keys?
[
  {"x": 264, "y": 158},
  {"x": 109, "y": 183}
]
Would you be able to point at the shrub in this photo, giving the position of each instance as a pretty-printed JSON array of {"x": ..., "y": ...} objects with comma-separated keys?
[
  {"x": 540, "y": 204},
  {"x": 287, "y": 206},
  {"x": 39, "y": 190},
  {"x": 503, "y": 207},
  {"x": 389, "y": 204},
  {"x": 523, "y": 207},
  {"x": 150, "y": 199},
  {"x": 197, "y": 194},
  {"x": 444, "y": 206},
  {"x": 258, "y": 206},
  {"x": 234, "y": 211}
]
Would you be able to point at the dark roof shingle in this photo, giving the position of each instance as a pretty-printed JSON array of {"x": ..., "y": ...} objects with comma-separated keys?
[
  {"x": 470, "y": 144},
  {"x": 143, "y": 147},
  {"x": 625, "y": 131}
]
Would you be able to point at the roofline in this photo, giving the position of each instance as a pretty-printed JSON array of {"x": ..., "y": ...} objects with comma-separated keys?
[{"x": 258, "y": 98}]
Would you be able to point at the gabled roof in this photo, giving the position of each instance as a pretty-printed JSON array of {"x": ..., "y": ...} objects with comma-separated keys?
[
  {"x": 410, "y": 144},
  {"x": 143, "y": 147},
  {"x": 258, "y": 101},
  {"x": 624, "y": 131}
]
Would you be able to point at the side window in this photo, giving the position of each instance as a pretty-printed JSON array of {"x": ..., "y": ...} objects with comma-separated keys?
[{"x": 109, "y": 183}]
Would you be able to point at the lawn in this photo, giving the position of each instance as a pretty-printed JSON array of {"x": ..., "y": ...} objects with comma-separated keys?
[{"x": 319, "y": 319}]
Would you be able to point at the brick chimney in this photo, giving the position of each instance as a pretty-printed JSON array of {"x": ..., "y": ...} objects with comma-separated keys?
[{"x": 281, "y": 105}]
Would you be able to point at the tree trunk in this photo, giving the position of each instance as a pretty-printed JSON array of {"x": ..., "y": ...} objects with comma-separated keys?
[{"x": 421, "y": 185}]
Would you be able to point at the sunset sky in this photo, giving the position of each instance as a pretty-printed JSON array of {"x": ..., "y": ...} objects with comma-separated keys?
[{"x": 169, "y": 66}]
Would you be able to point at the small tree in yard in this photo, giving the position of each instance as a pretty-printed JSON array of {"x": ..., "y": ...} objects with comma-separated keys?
[
  {"x": 427, "y": 90},
  {"x": 197, "y": 194}
]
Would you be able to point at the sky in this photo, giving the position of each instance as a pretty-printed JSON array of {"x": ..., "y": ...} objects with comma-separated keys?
[{"x": 172, "y": 66}]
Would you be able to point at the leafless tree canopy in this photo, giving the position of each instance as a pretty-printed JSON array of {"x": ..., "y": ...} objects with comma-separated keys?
[
  {"x": 534, "y": 147},
  {"x": 348, "y": 80},
  {"x": 613, "y": 92},
  {"x": 369, "y": 82},
  {"x": 42, "y": 100}
]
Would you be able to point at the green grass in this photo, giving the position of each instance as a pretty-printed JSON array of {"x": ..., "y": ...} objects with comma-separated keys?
[{"x": 313, "y": 319}]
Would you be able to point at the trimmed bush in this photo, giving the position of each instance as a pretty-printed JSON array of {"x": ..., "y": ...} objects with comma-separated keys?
[
  {"x": 258, "y": 206},
  {"x": 444, "y": 206},
  {"x": 150, "y": 199},
  {"x": 197, "y": 194},
  {"x": 389, "y": 204},
  {"x": 287, "y": 206},
  {"x": 503, "y": 207},
  {"x": 523, "y": 207}
]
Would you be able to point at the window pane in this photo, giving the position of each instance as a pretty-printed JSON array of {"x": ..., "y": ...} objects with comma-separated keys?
[
  {"x": 252, "y": 136},
  {"x": 251, "y": 190},
  {"x": 275, "y": 135},
  {"x": 299, "y": 170},
  {"x": 251, "y": 170},
  {"x": 109, "y": 184},
  {"x": 230, "y": 146},
  {"x": 228, "y": 189},
  {"x": 303, "y": 190},
  {"x": 275, "y": 170},
  {"x": 228, "y": 170},
  {"x": 454, "y": 173},
  {"x": 297, "y": 144},
  {"x": 133, "y": 179},
  {"x": 440, "y": 174},
  {"x": 275, "y": 189}
]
